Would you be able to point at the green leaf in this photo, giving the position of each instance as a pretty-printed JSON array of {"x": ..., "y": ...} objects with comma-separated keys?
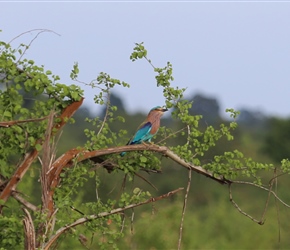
[
  {"x": 38, "y": 147},
  {"x": 7, "y": 114},
  {"x": 143, "y": 159}
]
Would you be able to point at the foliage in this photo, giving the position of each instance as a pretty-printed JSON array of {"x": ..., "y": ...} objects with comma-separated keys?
[
  {"x": 11, "y": 235},
  {"x": 34, "y": 105}
]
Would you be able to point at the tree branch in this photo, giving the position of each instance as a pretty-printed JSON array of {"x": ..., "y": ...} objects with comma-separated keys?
[
  {"x": 24, "y": 202},
  {"x": 104, "y": 214},
  {"x": 82, "y": 155},
  {"x": 11, "y": 123}
]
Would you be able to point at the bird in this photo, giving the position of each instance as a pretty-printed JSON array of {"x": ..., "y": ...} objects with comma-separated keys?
[{"x": 148, "y": 128}]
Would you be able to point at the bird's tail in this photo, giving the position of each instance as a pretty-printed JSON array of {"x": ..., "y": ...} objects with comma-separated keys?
[{"x": 123, "y": 153}]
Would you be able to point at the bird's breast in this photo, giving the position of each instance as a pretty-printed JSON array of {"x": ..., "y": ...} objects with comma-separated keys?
[{"x": 155, "y": 127}]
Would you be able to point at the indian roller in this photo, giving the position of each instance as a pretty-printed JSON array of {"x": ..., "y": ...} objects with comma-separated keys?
[{"x": 148, "y": 128}]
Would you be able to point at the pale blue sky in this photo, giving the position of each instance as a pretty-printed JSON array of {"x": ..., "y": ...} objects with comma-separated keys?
[{"x": 238, "y": 52}]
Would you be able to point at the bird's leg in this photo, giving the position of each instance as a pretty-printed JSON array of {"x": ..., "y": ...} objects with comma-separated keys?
[{"x": 151, "y": 142}]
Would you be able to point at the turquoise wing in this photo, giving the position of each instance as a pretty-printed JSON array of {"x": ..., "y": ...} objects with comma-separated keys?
[{"x": 142, "y": 134}]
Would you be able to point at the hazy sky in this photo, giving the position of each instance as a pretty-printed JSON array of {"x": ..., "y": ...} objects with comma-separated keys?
[{"x": 235, "y": 51}]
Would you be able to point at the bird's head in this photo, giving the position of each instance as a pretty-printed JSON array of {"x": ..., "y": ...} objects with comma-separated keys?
[{"x": 158, "y": 109}]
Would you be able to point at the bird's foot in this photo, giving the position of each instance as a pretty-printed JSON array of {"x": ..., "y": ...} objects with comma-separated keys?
[{"x": 148, "y": 143}]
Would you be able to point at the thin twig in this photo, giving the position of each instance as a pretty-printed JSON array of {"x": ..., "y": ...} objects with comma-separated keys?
[
  {"x": 75, "y": 209},
  {"x": 183, "y": 209},
  {"x": 149, "y": 61},
  {"x": 29, "y": 31},
  {"x": 239, "y": 209},
  {"x": 147, "y": 181}
]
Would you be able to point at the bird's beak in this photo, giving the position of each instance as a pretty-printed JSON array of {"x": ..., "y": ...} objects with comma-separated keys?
[{"x": 164, "y": 110}]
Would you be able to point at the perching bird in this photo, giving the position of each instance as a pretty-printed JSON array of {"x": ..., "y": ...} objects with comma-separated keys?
[{"x": 148, "y": 128}]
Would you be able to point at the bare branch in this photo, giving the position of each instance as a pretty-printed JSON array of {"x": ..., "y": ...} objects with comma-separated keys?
[
  {"x": 104, "y": 214},
  {"x": 17, "y": 176}
]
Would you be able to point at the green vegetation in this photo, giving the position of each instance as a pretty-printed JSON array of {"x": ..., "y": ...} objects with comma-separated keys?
[{"x": 63, "y": 184}]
